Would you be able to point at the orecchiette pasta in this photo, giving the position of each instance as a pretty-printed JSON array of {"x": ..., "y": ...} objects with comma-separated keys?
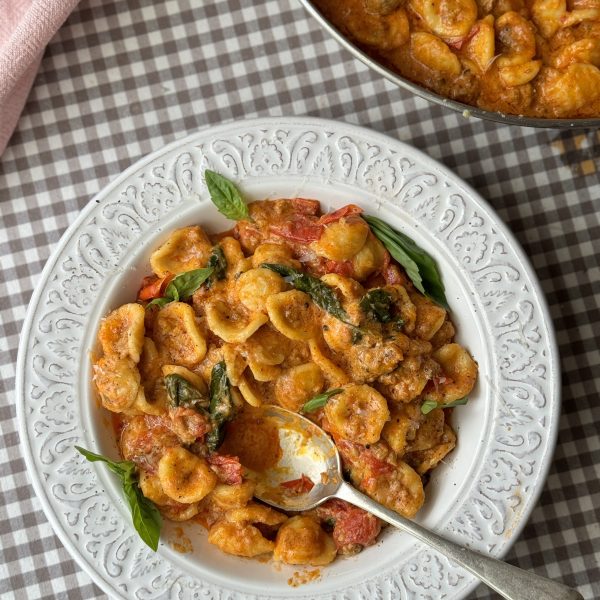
[
  {"x": 533, "y": 58},
  {"x": 255, "y": 286},
  {"x": 226, "y": 497},
  {"x": 357, "y": 414},
  {"x": 233, "y": 326},
  {"x": 185, "y": 250},
  {"x": 346, "y": 329},
  {"x": 185, "y": 477},
  {"x": 237, "y": 533},
  {"x": 178, "y": 336},
  {"x": 250, "y": 395},
  {"x": 460, "y": 374},
  {"x": 292, "y": 314},
  {"x": 117, "y": 381},
  {"x": 342, "y": 239},
  {"x": 121, "y": 333},
  {"x": 299, "y": 384},
  {"x": 274, "y": 253},
  {"x": 302, "y": 541}
]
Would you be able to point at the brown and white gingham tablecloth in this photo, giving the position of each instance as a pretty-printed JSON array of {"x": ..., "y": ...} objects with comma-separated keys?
[{"x": 124, "y": 77}]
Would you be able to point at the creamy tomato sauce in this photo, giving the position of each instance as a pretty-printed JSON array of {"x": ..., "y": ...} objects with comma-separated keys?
[{"x": 184, "y": 376}]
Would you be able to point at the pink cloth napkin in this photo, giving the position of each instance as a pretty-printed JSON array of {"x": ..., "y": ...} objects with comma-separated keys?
[{"x": 26, "y": 26}]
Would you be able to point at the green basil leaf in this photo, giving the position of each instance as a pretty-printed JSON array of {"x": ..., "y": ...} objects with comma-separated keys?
[
  {"x": 226, "y": 197},
  {"x": 218, "y": 263},
  {"x": 160, "y": 302},
  {"x": 185, "y": 284},
  {"x": 144, "y": 514},
  {"x": 283, "y": 270},
  {"x": 378, "y": 305},
  {"x": 146, "y": 517},
  {"x": 320, "y": 293},
  {"x": 320, "y": 401},
  {"x": 183, "y": 393},
  {"x": 419, "y": 265},
  {"x": 430, "y": 405},
  {"x": 221, "y": 404},
  {"x": 356, "y": 335},
  {"x": 120, "y": 468}
]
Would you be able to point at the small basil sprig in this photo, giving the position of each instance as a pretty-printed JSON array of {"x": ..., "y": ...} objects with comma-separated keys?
[
  {"x": 185, "y": 284},
  {"x": 419, "y": 265},
  {"x": 320, "y": 400},
  {"x": 226, "y": 197},
  {"x": 218, "y": 263},
  {"x": 183, "y": 393},
  {"x": 430, "y": 405},
  {"x": 378, "y": 305},
  {"x": 221, "y": 406},
  {"x": 321, "y": 294},
  {"x": 145, "y": 516}
]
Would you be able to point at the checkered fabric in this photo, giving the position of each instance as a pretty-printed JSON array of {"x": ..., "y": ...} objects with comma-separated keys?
[{"x": 124, "y": 77}]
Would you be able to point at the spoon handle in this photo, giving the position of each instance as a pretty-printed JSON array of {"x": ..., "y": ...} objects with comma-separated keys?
[{"x": 510, "y": 582}]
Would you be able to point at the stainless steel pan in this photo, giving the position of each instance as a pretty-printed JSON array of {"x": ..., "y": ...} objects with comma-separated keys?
[{"x": 466, "y": 109}]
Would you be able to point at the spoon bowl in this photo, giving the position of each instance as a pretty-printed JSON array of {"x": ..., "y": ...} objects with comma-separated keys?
[
  {"x": 305, "y": 450},
  {"x": 308, "y": 451}
]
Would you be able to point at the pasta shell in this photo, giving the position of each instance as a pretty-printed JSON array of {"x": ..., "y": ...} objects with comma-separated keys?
[
  {"x": 255, "y": 286},
  {"x": 292, "y": 314},
  {"x": 357, "y": 414},
  {"x": 248, "y": 393},
  {"x": 460, "y": 371},
  {"x": 117, "y": 381},
  {"x": 274, "y": 253},
  {"x": 186, "y": 249},
  {"x": 230, "y": 325},
  {"x": 142, "y": 406},
  {"x": 333, "y": 374},
  {"x": 263, "y": 372},
  {"x": 434, "y": 54},
  {"x": 298, "y": 385},
  {"x": 342, "y": 239},
  {"x": 267, "y": 346},
  {"x": 302, "y": 541},
  {"x": 184, "y": 476},
  {"x": 177, "y": 334},
  {"x": 235, "y": 363},
  {"x": 121, "y": 333}
]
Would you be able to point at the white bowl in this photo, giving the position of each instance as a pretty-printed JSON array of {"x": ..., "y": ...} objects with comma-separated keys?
[{"x": 483, "y": 493}]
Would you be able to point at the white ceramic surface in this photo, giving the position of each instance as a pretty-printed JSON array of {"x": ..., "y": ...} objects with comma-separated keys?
[{"x": 480, "y": 497}]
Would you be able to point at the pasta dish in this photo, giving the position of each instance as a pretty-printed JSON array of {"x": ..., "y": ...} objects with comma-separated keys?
[{"x": 309, "y": 311}]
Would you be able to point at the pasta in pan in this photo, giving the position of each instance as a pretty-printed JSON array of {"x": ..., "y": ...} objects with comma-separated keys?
[
  {"x": 290, "y": 306},
  {"x": 538, "y": 58}
]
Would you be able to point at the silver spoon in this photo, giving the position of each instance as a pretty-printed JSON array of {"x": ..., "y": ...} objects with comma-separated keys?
[{"x": 307, "y": 449}]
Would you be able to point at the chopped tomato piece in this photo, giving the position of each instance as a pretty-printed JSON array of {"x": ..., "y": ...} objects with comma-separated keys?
[
  {"x": 188, "y": 424},
  {"x": 336, "y": 215},
  {"x": 227, "y": 467},
  {"x": 304, "y": 206},
  {"x": 300, "y": 230},
  {"x": 299, "y": 486},
  {"x": 344, "y": 267},
  {"x": 351, "y": 525},
  {"x": 393, "y": 275},
  {"x": 154, "y": 287}
]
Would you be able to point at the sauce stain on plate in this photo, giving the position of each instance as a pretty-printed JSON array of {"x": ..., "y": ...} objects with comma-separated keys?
[
  {"x": 302, "y": 577},
  {"x": 182, "y": 543}
]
